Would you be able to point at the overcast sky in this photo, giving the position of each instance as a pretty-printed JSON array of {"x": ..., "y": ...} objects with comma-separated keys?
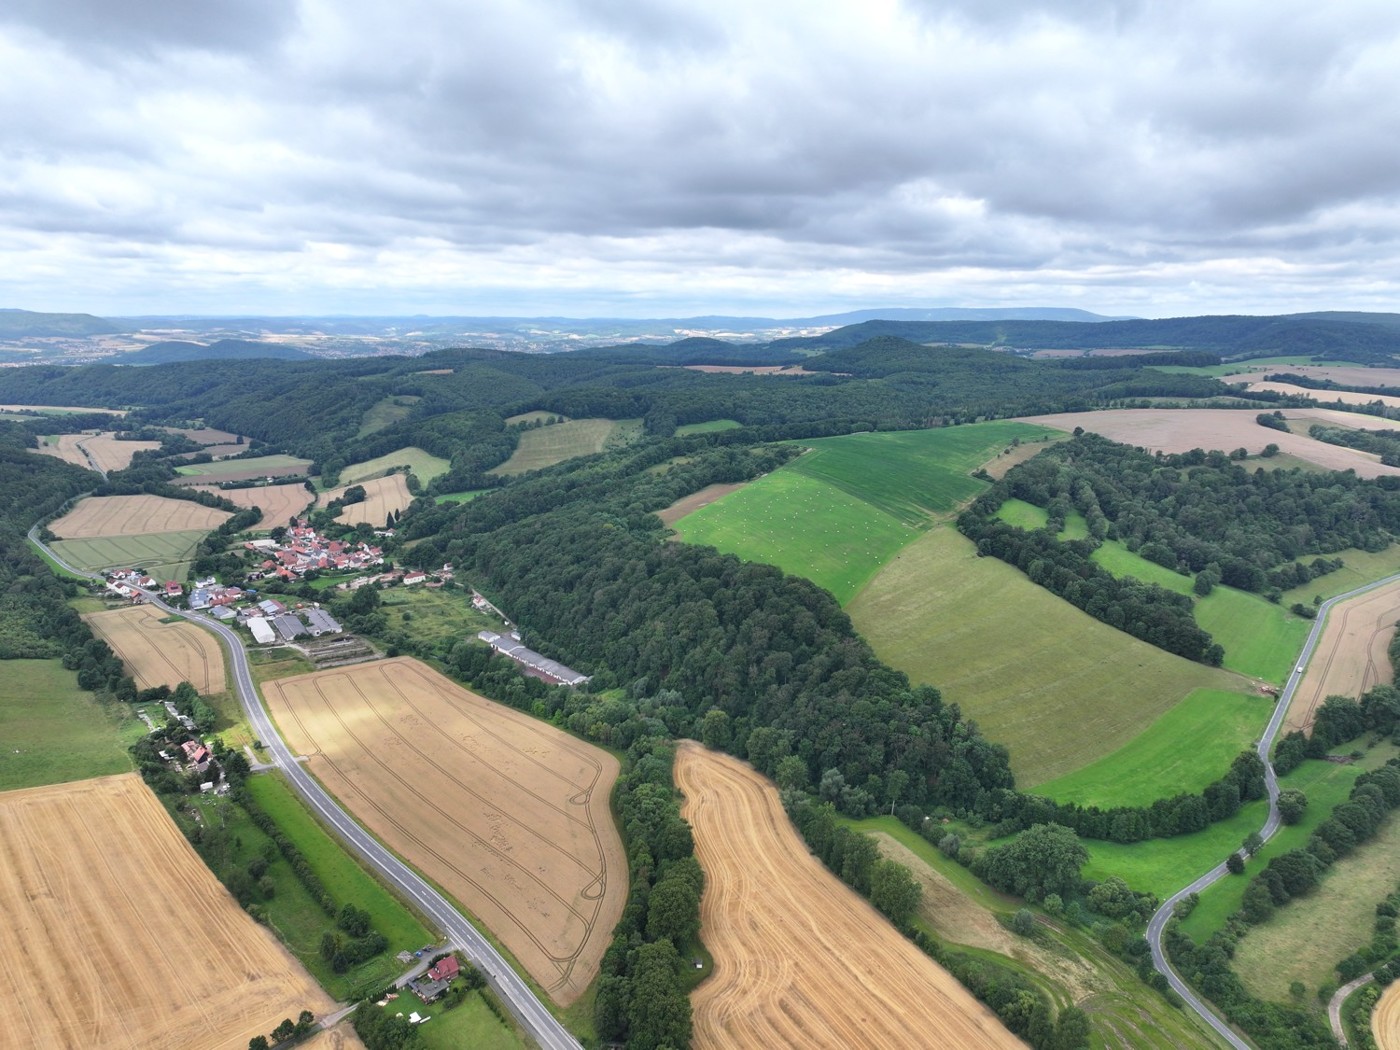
[{"x": 658, "y": 158}]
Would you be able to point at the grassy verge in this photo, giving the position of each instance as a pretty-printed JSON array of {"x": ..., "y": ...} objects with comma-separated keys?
[
  {"x": 1187, "y": 748},
  {"x": 54, "y": 732}
]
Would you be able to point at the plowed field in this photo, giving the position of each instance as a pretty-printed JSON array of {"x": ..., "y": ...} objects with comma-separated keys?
[
  {"x": 279, "y": 503},
  {"x": 1351, "y": 654},
  {"x": 508, "y": 814},
  {"x": 382, "y": 495},
  {"x": 800, "y": 959},
  {"x": 135, "y": 516},
  {"x": 158, "y": 653},
  {"x": 114, "y": 934},
  {"x": 1385, "y": 1019}
]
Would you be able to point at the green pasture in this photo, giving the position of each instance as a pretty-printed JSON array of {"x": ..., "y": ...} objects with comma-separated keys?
[
  {"x": 164, "y": 555},
  {"x": 465, "y": 496},
  {"x": 911, "y": 474},
  {"x": 422, "y": 464},
  {"x": 546, "y": 446},
  {"x": 1057, "y": 687},
  {"x": 434, "y": 616},
  {"x": 1112, "y": 556},
  {"x": 1188, "y": 747},
  {"x": 1304, "y": 940},
  {"x": 1254, "y": 364},
  {"x": 471, "y": 1024},
  {"x": 387, "y": 412},
  {"x": 1326, "y": 784},
  {"x": 225, "y": 467},
  {"x": 804, "y": 526},
  {"x": 711, "y": 427},
  {"x": 52, "y": 732},
  {"x": 1023, "y": 515},
  {"x": 342, "y": 876},
  {"x": 1260, "y": 639},
  {"x": 1359, "y": 568}
]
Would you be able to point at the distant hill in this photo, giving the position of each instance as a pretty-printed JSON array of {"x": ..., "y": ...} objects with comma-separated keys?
[
  {"x": 954, "y": 313},
  {"x": 18, "y": 324},
  {"x": 221, "y": 350}
]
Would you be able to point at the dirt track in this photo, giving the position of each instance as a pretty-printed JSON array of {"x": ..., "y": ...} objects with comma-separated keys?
[
  {"x": 158, "y": 653},
  {"x": 1183, "y": 429},
  {"x": 135, "y": 516},
  {"x": 279, "y": 503},
  {"x": 506, "y": 813},
  {"x": 1351, "y": 654},
  {"x": 114, "y": 934},
  {"x": 800, "y": 959}
]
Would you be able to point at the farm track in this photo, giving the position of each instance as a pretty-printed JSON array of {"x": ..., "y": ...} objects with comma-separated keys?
[
  {"x": 547, "y": 1032},
  {"x": 518, "y": 841},
  {"x": 800, "y": 959}
]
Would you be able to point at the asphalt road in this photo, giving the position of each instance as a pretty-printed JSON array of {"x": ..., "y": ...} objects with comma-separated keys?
[
  {"x": 542, "y": 1026},
  {"x": 1158, "y": 923}
]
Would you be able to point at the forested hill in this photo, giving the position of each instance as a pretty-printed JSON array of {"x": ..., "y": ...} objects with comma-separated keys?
[
  {"x": 221, "y": 350},
  {"x": 21, "y": 324}
]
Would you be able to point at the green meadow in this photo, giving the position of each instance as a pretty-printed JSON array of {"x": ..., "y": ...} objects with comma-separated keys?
[
  {"x": 713, "y": 426},
  {"x": 1260, "y": 639},
  {"x": 422, "y": 464},
  {"x": 548, "y": 445},
  {"x": 1188, "y": 747},
  {"x": 224, "y": 468},
  {"x": 165, "y": 555}
]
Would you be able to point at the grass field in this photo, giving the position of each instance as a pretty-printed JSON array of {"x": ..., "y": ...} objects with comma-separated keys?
[
  {"x": 435, "y": 616},
  {"x": 549, "y": 445},
  {"x": 1185, "y": 749},
  {"x": 846, "y": 507},
  {"x": 422, "y": 464},
  {"x": 784, "y": 931},
  {"x": 1325, "y": 783},
  {"x": 107, "y": 516},
  {"x": 242, "y": 469},
  {"x": 342, "y": 876},
  {"x": 1054, "y": 685},
  {"x": 804, "y": 526},
  {"x": 1070, "y": 965},
  {"x": 1303, "y": 941},
  {"x": 51, "y": 731},
  {"x": 1360, "y": 567},
  {"x": 1023, "y": 515},
  {"x": 386, "y": 413},
  {"x": 465, "y": 496},
  {"x": 96, "y": 871},
  {"x": 1260, "y": 364},
  {"x": 159, "y": 653},
  {"x": 714, "y": 426},
  {"x": 1261, "y": 639},
  {"x": 165, "y": 555},
  {"x": 1117, "y": 559},
  {"x": 507, "y": 814},
  {"x": 472, "y": 1025}
]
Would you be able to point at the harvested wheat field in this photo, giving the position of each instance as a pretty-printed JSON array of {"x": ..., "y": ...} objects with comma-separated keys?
[
  {"x": 1346, "y": 397},
  {"x": 279, "y": 503},
  {"x": 341, "y": 1037},
  {"x": 800, "y": 959},
  {"x": 1351, "y": 653},
  {"x": 506, "y": 813},
  {"x": 135, "y": 516},
  {"x": 1385, "y": 1019},
  {"x": 382, "y": 495},
  {"x": 1182, "y": 429},
  {"x": 114, "y": 934},
  {"x": 158, "y": 653},
  {"x": 102, "y": 451}
]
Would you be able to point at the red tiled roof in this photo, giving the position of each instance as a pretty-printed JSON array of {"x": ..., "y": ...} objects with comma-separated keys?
[{"x": 446, "y": 969}]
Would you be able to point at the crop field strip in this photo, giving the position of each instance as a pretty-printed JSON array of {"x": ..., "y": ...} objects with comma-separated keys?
[
  {"x": 800, "y": 959},
  {"x": 165, "y": 555},
  {"x": 279, "y": 503},
  {"x": 107, "y": 911},
  {"x": 106, "y": 516},
  {"x": 157, "y": 653},
  {"x": 382, "y": 497},
  {"x": 1385, "y": 1019},
  {"x": 390, "y": 740},
  {"x": 1351, "y": 654},
  {"x": 244, "y": 469}
]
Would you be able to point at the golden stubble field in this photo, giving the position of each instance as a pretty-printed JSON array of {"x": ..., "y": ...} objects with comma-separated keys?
[
  {"x": 1351, "y": 653},
  {"x": 1182, "y": 429},
  {"x": 382, "y": 495},
  {"x": 135, "y": 516},
  {"x": 506, "y": 813},
  {"x": 279, "y": 503},
  {"x": 800, "y": 959},
  {"x": 158, "y": 653},
  {"x": 106, "y": 452},
  {"x": 114, "y": 934},
  {"x": 1385, "y": 1019}
]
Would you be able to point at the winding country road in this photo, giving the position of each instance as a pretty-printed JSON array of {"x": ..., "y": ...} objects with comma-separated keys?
[
  {"x": 1158, "y": 923},
  {"x": 542, "y": 1026}
]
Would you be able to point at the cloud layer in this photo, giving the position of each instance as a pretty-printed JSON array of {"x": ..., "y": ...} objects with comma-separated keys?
[{"x": 651, "y": 157}]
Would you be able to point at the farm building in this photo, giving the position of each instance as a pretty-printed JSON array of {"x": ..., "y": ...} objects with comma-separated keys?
[
  {"x": 550, "y": 670},
  {"x": 224, "y": 613},
  {"x": 289, "y": 625},
  {"x": 262, "y": 630},
  {"x": 322, "y": 622}
]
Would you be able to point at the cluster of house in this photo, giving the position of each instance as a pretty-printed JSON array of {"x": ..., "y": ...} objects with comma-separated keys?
[
  {"x": 303, "y": 549},
  {"x": 195, "y": 756},
  {"x": 129, "y": 583},
  {"x": 407, "y": 577},
  {"x": 433, "y": 983}
]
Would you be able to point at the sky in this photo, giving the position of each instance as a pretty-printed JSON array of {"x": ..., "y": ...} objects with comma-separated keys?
[{"x": 663, "y": 158}]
